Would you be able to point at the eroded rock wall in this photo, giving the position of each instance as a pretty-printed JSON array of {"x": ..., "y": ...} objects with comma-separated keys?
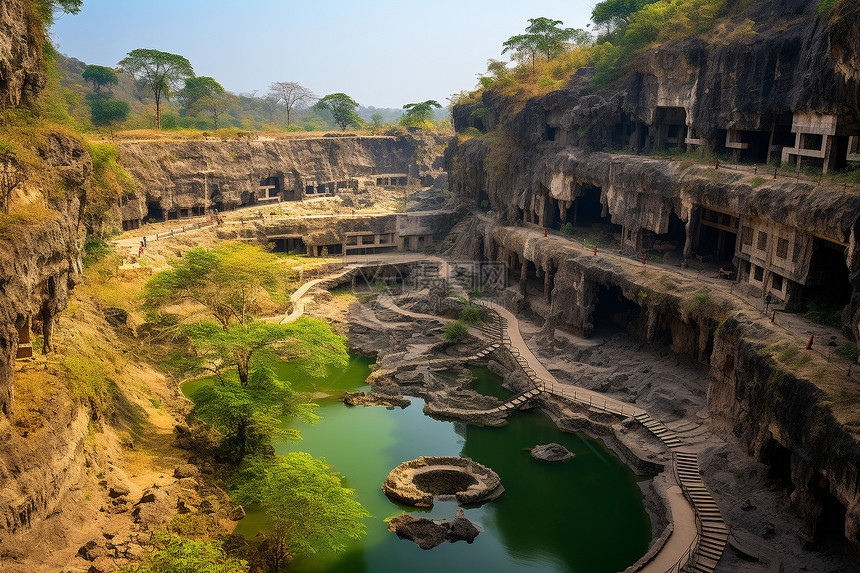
[
  {"x": 21, "y": 39},
  {"x": 187, "y": 174}
]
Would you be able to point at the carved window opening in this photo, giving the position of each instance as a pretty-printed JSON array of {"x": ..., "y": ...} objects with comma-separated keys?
[
  {"x": 746, "y": 236},
  {"x": 777, "y": 282},
  {"x": 762, "y": 241},
  {"x": 795, "y": 255},
  {"x": 758, "y": 273},
  {"x": 782, "y": 248}
]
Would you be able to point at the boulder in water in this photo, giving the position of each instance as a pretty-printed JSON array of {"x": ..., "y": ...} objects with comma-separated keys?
[{"x": 551, "y": 453}]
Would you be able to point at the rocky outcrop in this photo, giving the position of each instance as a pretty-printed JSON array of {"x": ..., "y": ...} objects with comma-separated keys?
[
  {"x": 22, "y": 37},
  {"x": 373, "y": 399},
  {"x": 551, "y": 453},
  {"x": 428, "y": 533}
]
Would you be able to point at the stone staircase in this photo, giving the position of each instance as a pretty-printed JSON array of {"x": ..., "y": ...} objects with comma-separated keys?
[{"x": 713, "y": 533}]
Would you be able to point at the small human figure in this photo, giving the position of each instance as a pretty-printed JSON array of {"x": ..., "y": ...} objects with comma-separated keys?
[
  {"x": 544, "y": 233},
  {"x": 767, "y": 301},
  {"x": 140, "y": 251},
  {"x": 144, "y": 241}
]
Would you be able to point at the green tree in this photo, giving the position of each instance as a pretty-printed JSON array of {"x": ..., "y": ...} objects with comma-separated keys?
[
  {"x": 377, "y": 120},
  {"x": 229, "y": 281},
  {"x": 249, "y": 415},
  {"x": 46, "y": 8},
  {"x": 342, "y": 108},
  {"x": 173, "y": 554},
  {"x": 107, "y": 111},
  {"x": 308, "y": 509},
  {"x": 161, "y": 71},
  {"x": 543, "y": 36},
  {"x": 310, "y": 342},
  {"x": 100, "y": 76},
  {"x": 614, "y": 14},
  {"x": 291, "y": 95},
  {"x": 204, "y": 93},
  {"x": 419, "y": 113}
]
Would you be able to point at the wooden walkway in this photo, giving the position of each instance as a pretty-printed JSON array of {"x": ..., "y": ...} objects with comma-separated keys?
[{"x": 706, "y": 549}]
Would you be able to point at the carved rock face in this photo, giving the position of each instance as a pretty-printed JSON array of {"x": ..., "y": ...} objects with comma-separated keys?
[{"x": 21, "y": 41}]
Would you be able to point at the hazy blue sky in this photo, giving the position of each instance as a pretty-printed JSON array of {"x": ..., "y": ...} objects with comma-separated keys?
[{"x": 382, "y": 53}]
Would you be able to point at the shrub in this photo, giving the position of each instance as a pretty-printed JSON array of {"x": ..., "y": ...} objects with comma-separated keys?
[
  {"x": 756, "y": 182},
  {"x": 471, "y": 315},
  {"x": 177, "y": 555},
  {"x": 848, "y": 351},
  {"x": 476, "y": 292},
  {"x": 567, "y": 229},
  {"x": 94, "y": 249},
  {"x": 457, "y": 332}
]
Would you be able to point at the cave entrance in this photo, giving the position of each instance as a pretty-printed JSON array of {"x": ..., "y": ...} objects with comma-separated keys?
[
  {"x": 748, "y": 146},
  {"x": 778, "y": 459},
  {"x": 293, "y": 244},
  {"x": 328, "y": 250},
  {"x": 271, "y": 187},
  {"x": 781, "y": 136},
  {"x": 717, "y": 235},
  {"x": 669, "y": 129},
  {"x": 587, "y": 209},
  {"x": 613, "y": 312},
  {"x": 154, "y": 212},
  {"x": 669, "y": 243},
  {"x": 828, "y": 286},
  {"x": 831, "y": 523},
  {"x": 25, "y": 346}
]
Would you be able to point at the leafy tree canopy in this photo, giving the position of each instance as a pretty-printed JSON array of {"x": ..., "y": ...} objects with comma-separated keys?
[
  {"x": 419, "y": 113},
  {"x": 160, "y": 71},
  {"x": 46, "y": 8},
  {"x": 613, "y": 14},
  {"x": 308, "y": 509},
  {"x": 249, "y": 415},
  {"x": 309, "y": 341},
  {"x": 229, "y": 281},
  {"x": 543, "y": 36},
  {"x": 100, "y": 76},
  {"x": 204, "y": 93},
  {"x": 342, "y": 108},
  {"x": 107, "y": 111},
  {"x": 197, "y": 89}
]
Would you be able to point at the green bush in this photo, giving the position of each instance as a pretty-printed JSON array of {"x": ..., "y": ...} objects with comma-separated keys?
[
  {"x": 94, "y": 249},
  {"x": 848, "y": 351},
  {"x": 471, "y": 315},
  {"x": 567, "y": 229},
  {"x": 756, "y": 182},
  {"x": 476, "y": 292},
  {"x": 176, "y": 555},
  {"x": 457, "y": 332}
]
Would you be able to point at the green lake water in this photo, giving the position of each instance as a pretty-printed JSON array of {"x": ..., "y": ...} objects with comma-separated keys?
[{"x": 583, "y": 516}]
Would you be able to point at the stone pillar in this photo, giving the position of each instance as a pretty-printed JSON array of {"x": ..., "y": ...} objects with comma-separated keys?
[
  {"x": 47, "y": 330},
  {"x": 692, "y": 232},
  {"x": 547, "y": 286},
  {"x": 524, "y": 277}
]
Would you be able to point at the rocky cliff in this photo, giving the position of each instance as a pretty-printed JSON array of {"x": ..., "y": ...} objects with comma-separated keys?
[
  {"x": 185, "y": 175},
  {"x": 22, "y": 37},
  {"x": 543, "y": 161}
]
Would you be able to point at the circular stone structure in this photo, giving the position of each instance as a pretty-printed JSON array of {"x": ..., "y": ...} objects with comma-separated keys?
[{"x": 417, "y": 482}]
